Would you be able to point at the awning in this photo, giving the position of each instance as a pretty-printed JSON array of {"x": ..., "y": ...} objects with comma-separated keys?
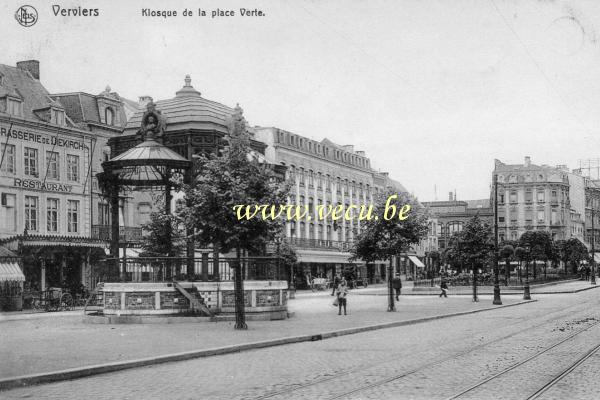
[
  {"x": 416, "y": 261},
  {"x": 130, "y": 252},
  {"x": 10, "y": 271}
]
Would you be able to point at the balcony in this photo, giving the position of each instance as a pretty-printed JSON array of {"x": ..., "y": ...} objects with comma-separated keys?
[
  {"x": 130, "y": 234},
  {"x": 319, "y": 244}
]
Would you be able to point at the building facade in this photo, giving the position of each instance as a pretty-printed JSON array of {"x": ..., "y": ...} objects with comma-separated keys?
[
  {"x": 49, "y": 155},
  {"x": 533, "y": 197},
  {"x": 450, "y": 216},
  {"x": 323, "y": 173}
]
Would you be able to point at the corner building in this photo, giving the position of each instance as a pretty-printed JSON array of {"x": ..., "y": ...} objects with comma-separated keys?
[{"x": 46, "y": 180}]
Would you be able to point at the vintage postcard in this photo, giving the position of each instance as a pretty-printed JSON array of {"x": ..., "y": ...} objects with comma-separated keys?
[{"x": 299, "y": 199}]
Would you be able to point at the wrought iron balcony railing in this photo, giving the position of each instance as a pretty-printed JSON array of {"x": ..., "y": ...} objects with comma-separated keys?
[
  {"x": 126, "y": 233},
  {"x": 319, "y": 244}
]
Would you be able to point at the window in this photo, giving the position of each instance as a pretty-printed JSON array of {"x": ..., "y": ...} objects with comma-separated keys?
[
  {"x": 454, "y": 227},
  {"x": 72, "y": 215},
  {"x": 103, "y": 214},
  {"x": 311, "y": 177},
  {"x": 52, "y": 215},
  {"x": 144, "y": 208},
  {"x": 319, "y": 181},
  {"x": 528, "y": 196},
  {"x": 302, "y": 230},
  {"x": 293, "y": 229},
  {"x": 554, "y": 217},
  {"x": 31, "y": 161},
  {"x": 513, "y": 197},
  {"x": 541, "y": 216},
  {"x": 53, "y": 166},
  {"x": 328, "y": 232},
  {"x": 311, "y": 231},
  {"x": 528, "y": 217},
  {"x": 500, "y": 199},
  {"x": 31, "y": 213},
  {"x": 8, "y": 164},
  {"x": 338, "y": 186},
  {"x": 513, "y": 235},
  {"x": 10, "y": 213},
  {"x": 15, "y": 107},
  {"x": 311, "y": 205},
  {"x": 58, "y": 117},
  {"x": 301, "y": 176},
  {"x": 501, "y": 220},
  {"x": 109, "y": 116},
  {"x": 541, "y": 197},
  {"x": 72, "y": 167}
]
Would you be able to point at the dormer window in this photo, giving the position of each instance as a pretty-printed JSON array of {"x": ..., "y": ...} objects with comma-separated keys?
[
  {"x": 57, "y": 117},
  {"x": 14, "y": 107},
  {"x": 109, "y": 116}
]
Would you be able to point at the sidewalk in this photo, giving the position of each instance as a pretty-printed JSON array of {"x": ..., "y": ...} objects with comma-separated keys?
[{"x": 54, "y": 342}]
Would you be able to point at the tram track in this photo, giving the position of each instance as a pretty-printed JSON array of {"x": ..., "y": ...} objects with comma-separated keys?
[
  {"x": 559, "y": 377},
  {"x": 534, "y": 356},
  {"x": 394, "y": 358}
]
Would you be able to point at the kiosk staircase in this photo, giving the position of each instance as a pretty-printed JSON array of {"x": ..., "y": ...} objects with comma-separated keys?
[{"x": 196, "y": 302}]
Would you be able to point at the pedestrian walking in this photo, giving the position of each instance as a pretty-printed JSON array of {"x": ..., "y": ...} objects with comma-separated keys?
[
  {"x": 397, "y": 285},
  {"x": 336, "y": 283},
  {"x": 342, "y": 292},
  {"x": 587, "y": 273},
  {"x": 444, "y": 288}
]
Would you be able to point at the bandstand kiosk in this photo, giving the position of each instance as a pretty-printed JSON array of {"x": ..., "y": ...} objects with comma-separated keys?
[{"x": 150, "y": 165}]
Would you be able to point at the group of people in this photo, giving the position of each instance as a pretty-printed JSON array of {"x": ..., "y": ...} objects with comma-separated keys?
[{"x": 340, "y": 290}]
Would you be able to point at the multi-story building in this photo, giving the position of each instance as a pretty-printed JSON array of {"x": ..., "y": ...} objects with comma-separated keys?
[
  {"x": 326, "y": 174},
  {"x": 48, "y": 157},
  {"x": 533, "y": 197},
  {"x": 450, "y": 216}
]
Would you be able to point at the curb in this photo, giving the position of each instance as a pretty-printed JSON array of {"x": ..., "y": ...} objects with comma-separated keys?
[
  {"x": 507, "y": 293},
  {"x": 80, "y": 372}
]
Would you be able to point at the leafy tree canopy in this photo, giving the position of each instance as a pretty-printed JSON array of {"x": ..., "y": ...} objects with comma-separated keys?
[
  {"x": 383, "y": 238},
  {"x": 234, "y": 178}
]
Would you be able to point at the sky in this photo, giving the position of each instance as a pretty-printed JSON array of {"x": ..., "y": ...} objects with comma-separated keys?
[{"x": 432, "y": 91}]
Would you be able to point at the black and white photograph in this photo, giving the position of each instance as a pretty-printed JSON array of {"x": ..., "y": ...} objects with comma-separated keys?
[{"x": 300, "y": 199}]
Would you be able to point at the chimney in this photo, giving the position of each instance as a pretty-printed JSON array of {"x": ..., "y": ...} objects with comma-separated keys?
[
  {"x": 33, "y": 66},
  {"x": 144, "y": 100},
  {"x": 450, "y": 196},
  {"x": 527, "y": 161}
]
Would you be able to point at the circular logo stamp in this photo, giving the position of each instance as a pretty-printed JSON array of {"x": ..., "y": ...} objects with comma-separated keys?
[{"x": 26, "y": 15}]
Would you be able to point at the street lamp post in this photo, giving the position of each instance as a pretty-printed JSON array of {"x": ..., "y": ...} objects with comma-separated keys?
[
  {"x": 593, "y": 279},
  {"x": 391, "y": 305},
  {"x": 526, "y": 293},
  {"x": 497, "y": 299}
]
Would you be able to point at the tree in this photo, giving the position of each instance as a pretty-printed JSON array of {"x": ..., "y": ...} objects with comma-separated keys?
[
  {"x": 222, "y": 182},
  {"x": 560, "y": 252},
  {"x": 576, "y": 252},
  {"x": 164, "y": 237},
  {"x": 539, "y": 244},
  {"x": 474, "y": 246},
  {"x": 434, "y": 256},
  {"x": 383, "y": 238},
  {"x": 520, "y": 255},
  {"x": 507, "y": 252}
]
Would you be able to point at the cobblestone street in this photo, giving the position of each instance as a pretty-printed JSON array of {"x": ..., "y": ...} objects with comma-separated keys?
[{"x": 478, "y": 354}]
